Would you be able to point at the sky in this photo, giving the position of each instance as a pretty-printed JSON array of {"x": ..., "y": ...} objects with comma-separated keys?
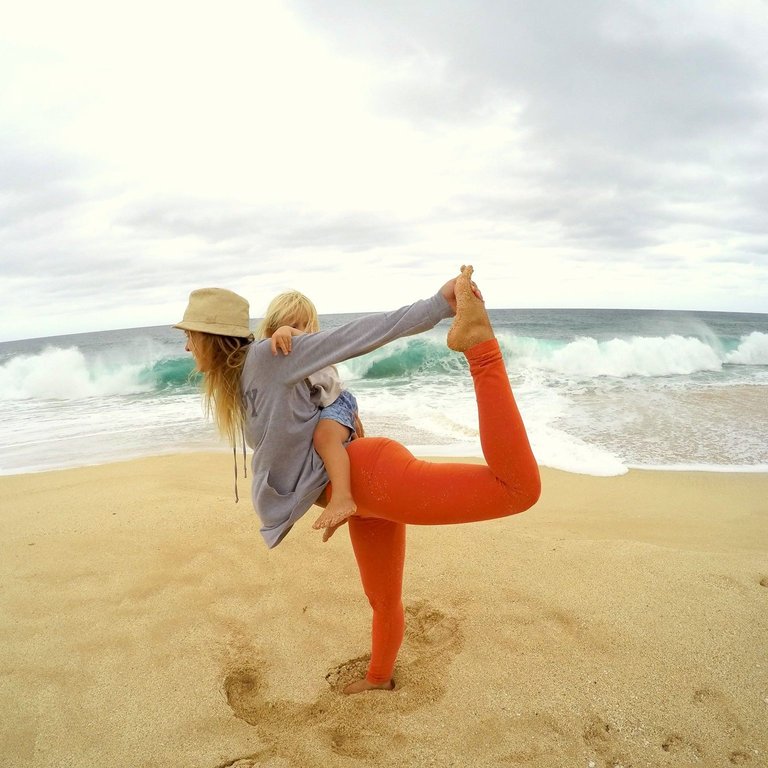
[{"x": 590, "y": 154}]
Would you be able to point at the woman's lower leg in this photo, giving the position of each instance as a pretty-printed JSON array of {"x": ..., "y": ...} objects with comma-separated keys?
[{"x": 379, "y": 547}]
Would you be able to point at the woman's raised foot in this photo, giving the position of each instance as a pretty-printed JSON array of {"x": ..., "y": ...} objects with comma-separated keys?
[{"x": 471, "y": 324}]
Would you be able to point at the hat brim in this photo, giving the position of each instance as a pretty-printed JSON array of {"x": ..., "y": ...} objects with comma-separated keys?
[{"x": 217, "y": 329}]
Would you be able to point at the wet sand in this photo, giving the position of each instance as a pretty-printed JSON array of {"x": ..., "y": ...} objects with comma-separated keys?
[{"x": 621, "y": 622}]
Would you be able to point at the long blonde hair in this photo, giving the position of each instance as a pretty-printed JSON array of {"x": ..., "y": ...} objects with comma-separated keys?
[
  {"x": 220, "y": 359},
  {"x": 289, "y": 308}
]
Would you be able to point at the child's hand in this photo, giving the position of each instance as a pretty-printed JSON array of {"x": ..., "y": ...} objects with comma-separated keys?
[{"x": 281, "y": 339}]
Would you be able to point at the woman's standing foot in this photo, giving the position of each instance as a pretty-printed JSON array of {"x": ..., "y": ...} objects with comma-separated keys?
[
  {"x": 471, "y": 324},
  {"x": 363, "y": 685}
]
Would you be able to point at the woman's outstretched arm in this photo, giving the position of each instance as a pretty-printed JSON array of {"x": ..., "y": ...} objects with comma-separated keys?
[{"x": 314, "y": 351}]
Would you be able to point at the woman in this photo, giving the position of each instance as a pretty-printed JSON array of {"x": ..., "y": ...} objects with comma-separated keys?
[{"x": 249, "y": 386}]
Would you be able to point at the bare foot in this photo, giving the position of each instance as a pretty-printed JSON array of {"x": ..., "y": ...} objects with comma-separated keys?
[
  {"x": 331, "y": 529},
  {"x": 471, "y": 324},
  {"x": 339, "y": 509},
  {"x": 363, "y": 685}
]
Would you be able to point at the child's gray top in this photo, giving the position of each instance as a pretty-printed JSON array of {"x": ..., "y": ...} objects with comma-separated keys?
[
  {"x": 324, "y": 386},
  {"x": 288, "y": 475}
]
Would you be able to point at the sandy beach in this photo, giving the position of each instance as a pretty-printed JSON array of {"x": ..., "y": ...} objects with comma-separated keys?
[{"x": 622, "y": 621}]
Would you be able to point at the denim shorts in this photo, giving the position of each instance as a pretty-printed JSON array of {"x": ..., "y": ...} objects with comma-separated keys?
[{"x": 343, "y": 410}]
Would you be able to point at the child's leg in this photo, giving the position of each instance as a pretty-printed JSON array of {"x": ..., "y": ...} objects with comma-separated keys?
[{"x": 329, "y": 441}]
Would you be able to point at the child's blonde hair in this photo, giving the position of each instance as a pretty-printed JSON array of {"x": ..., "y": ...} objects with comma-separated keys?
[{"x": 289, "y": 308}]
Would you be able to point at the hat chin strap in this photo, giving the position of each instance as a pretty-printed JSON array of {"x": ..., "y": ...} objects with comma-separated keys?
[{"x": 234, "y": 458}]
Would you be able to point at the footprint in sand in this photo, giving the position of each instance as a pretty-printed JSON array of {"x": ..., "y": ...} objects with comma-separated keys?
[
  {"x": 346, "y": 672},
  {"x": 244, "y": 690},
  {"x": 600, "y": 736},
  {"x": 597, "y": 734},
  {"x": 716, "y": 704},
  {"x": 293, "y": 730},
  {"x": 530, "y": 620},
  {"x": 533, "y": 738},
  {"x": 432, "y": 639},
  {"x": 431, "y": 631},
  {"x": 347, "y": 743},
  {"x": 717, "y": 712},
  {"x": 287, "y": 727},
  {"x": 677, "y": 745}
]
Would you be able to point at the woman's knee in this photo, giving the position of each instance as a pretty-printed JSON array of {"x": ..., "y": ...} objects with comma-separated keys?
[
  {"x": 534, "y": 491},
  {"x": 389, "y": 605},
  {"x": 524, "y": 495}
]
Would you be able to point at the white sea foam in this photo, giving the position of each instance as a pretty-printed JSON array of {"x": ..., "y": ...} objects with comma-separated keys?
[
  {"x": 442, "y": 420},
  {"x": 736, "y": 468},
  {"x": 587, "y": 358},
  {"x": 65, "y": 374},
  {"x": 752, "y": 350},
  {"x": 552, "y": 449},
  {"x": 45, "y": 434}
]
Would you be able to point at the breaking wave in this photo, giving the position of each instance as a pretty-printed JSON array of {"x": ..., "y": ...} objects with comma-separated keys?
[
  {"x": 57, "y": 373},
  {"x": 67, "y": 373}
]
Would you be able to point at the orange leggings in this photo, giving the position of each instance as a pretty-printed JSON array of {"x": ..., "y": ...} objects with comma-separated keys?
[{"x": 392, "y": 488}]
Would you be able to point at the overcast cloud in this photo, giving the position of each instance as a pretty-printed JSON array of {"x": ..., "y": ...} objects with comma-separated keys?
[{"x": 583, "y": 154}]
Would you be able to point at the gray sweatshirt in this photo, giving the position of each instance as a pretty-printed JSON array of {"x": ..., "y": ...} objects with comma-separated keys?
[{"x": 288, "y": 474}]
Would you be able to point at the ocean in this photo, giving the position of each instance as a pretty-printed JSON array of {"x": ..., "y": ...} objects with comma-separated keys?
[{"x": 601, "y": 391}]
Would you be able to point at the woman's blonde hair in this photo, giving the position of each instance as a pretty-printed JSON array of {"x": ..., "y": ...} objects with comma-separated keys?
[
  {"x": 221, "y": 359},
  {"x": 289, "y": 308}
]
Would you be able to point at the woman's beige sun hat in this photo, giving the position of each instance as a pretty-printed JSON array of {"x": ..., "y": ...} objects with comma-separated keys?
[{"x": 217, "y": 311}]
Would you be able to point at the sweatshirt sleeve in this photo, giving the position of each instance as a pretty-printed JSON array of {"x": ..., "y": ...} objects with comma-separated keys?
[{"x": 358, "y": 337}]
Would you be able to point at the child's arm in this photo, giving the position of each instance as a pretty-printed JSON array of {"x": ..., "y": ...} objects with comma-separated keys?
[{"x": 281, "y": 339}]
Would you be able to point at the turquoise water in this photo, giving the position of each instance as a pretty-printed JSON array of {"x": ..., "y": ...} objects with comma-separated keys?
[{"x": 600, "y": 391}]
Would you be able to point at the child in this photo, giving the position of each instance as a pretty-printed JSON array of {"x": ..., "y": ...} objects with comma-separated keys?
[{"x": 293, "y": 314}]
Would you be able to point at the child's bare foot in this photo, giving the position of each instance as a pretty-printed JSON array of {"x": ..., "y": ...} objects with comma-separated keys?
[
  {"x": 471, "y": 324},
  {"x": 331, "y": 529},
  {"x": 363, "y": 685},
  {"x": 339, "y": 509}
]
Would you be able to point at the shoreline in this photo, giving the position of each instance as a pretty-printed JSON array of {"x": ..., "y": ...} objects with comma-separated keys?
[
  {"x": 430, "y": 453},
  {"x": 620, "y": 621}
]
